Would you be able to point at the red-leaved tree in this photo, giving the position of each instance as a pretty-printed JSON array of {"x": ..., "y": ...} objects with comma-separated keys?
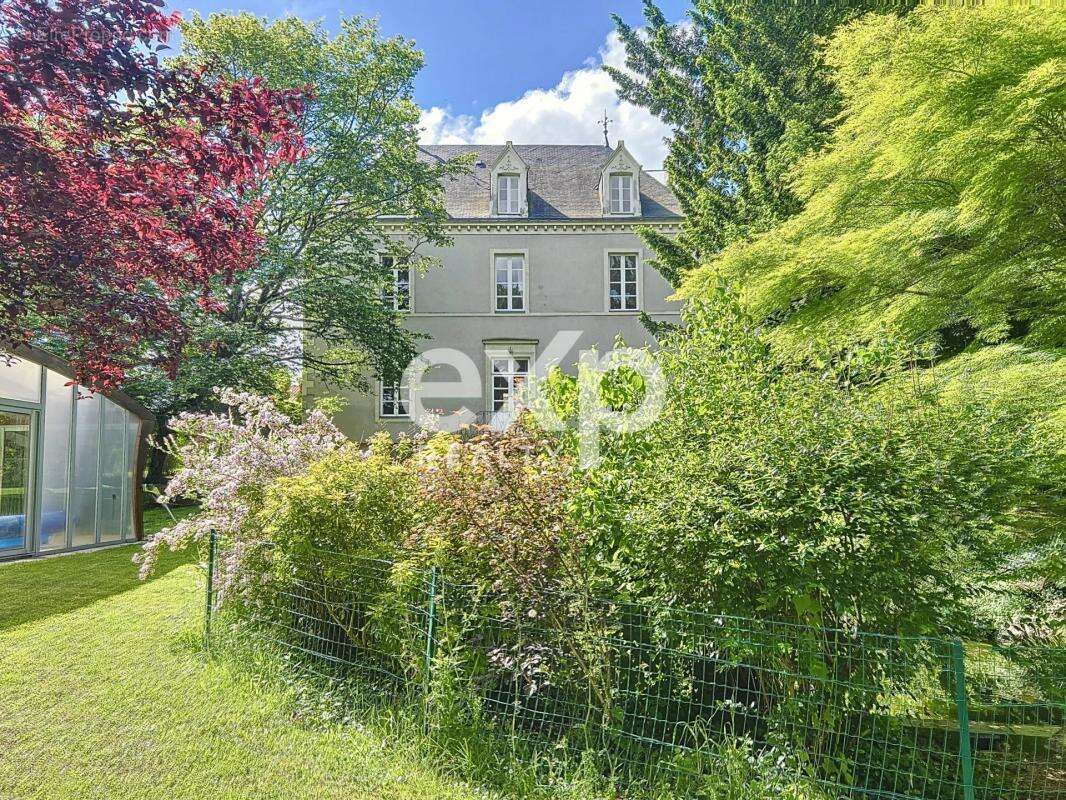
[{"x": 126, "y": 183}]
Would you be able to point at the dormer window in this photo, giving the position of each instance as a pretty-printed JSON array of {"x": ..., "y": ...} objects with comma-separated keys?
[
  {"x": 508, "y": 197},
  {"x": 621, "y": 192},
  {"x": 510, "y": 181},
  {"x": 620, "y": 184}
]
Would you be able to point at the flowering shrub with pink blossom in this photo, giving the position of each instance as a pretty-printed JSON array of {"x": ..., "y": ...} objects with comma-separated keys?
[{"x": 227, "y": 462}]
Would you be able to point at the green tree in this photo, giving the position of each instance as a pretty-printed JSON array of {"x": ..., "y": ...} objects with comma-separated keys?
[
  {"x": 935, "y": 213},
  {"x": 746, "y": 90},
  {"x": 314, "y": 298},
  {"x": 937, "y": 207}
]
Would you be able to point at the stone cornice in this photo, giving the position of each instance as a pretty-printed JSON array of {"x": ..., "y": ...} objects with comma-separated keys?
[{"x": 545, "y": 226}]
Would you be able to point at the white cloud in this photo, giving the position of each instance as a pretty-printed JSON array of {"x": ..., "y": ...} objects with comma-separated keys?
[{"x": 565, "y": 114}]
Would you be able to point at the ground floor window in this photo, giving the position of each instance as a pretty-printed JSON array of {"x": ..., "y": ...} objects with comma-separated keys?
[
  {"x": 510, "y": 373},
  {"x": 395, "y": 399}
]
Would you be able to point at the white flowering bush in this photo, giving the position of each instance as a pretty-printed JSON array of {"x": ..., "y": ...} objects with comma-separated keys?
[{"x": 227, "y": 462}]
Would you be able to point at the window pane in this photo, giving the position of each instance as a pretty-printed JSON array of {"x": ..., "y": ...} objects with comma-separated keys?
[
  {"x": 86, "y": 462},
  {"x": 394, "y": 397},
  {"x": 15, "y": 461},
  {"x": 112, "y": 467},
  {"x": 20, "y": 380},
  {"x": 403, "y": 289},
  {"x": 509, "y": 283},
  {"x": 508, "y": 200},
  {"x": 55, "y": 461},
  {"x": 133, "y": 479}
]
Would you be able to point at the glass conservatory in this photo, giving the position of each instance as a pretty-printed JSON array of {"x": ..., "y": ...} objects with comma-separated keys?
[{"x": 70, "y": 461}]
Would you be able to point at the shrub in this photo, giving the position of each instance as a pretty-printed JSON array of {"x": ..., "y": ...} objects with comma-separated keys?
[
  {"x": 333, "y": 533},
  {"x": 495, "y": 513},
  {"x": 779, "y": 490},
  {"x": 226, "y": 463},
  {"x": 350, "y": 505},
  {"x": 494, "y": 520}
]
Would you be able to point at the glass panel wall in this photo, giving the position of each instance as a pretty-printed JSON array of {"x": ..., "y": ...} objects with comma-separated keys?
[
  {"x": 82, "y": 446},
  {"x": 20, "y": 380},
  {"x": 133, "y": 432},
  {"x": 86, "y": 467},
  {"x": 112, "y": 472},
  {"x": 55, "y": 461}
]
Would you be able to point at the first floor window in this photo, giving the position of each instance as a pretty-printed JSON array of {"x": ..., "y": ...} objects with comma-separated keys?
[
  {"x": 395, "y": 398},
  {"x": 398, "y": 294},
  {"x": 510, "y": 283},
  {"x": 509, "y": 376},
  {"x": 622, "y": 282},
  {"x": 620, "y": 187}
]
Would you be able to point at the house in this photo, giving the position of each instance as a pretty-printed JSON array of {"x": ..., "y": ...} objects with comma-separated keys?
[
  {"x": 70, "y": 461},
  {"x": 545, "y": 263}
]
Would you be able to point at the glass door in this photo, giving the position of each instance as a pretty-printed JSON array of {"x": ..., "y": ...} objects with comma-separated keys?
[{"x": 16, "y": 463}]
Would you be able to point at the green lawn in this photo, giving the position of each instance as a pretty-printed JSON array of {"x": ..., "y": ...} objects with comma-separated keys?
[{"x": 106, "y": 693}]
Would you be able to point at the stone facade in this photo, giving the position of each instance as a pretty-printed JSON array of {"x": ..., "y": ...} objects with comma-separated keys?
[{"x": 516, "y": 292}]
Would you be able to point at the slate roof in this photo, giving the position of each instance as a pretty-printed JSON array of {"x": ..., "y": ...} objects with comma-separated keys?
[{"x": 564, "y": 182}]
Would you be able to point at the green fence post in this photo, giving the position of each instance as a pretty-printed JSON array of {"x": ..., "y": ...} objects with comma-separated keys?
[
  {"x": 962, "y": 705},
  {"x": 431, "y": 624},
  {"x": 209, "y": 599},
  {"x": 431, "y": 645}
]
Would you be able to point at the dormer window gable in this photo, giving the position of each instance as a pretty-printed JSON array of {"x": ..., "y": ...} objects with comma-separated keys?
[
  {"x": 620, "y": 184},
  {"x": 510, "y": 185}
]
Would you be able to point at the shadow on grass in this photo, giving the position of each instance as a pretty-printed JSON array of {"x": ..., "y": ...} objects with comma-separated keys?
[{"x": 40, "y": 588}]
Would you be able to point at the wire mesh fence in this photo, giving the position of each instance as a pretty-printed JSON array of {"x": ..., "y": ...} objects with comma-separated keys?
[{"x": 648, "y": 689}]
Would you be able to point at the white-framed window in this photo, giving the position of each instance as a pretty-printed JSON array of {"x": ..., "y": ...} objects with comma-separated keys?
[
  {"x": 508, "y": 194},
  {"x": 398, "y": 295},
  {"x": 623, "y": 285},
  {"x": 509, "y": 375},
  {"x": 509, "y": 280},
  {"x": 395, "y": 399},
  {"x": 620, "y": 187}
]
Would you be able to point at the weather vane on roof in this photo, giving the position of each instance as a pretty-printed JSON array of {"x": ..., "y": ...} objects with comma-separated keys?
[{"x": 606, "y": 122}]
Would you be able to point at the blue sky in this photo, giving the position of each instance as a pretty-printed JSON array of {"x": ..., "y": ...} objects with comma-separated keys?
[{"x": 520, "y": 69}]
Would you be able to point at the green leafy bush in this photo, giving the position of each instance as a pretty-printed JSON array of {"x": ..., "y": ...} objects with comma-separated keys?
[
  {"x": 352, "y": 504},
  {"x": 772, "y": 489}
]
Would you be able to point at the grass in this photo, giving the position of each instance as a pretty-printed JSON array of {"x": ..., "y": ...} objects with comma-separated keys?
[{"x": 106, "y": 692}]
